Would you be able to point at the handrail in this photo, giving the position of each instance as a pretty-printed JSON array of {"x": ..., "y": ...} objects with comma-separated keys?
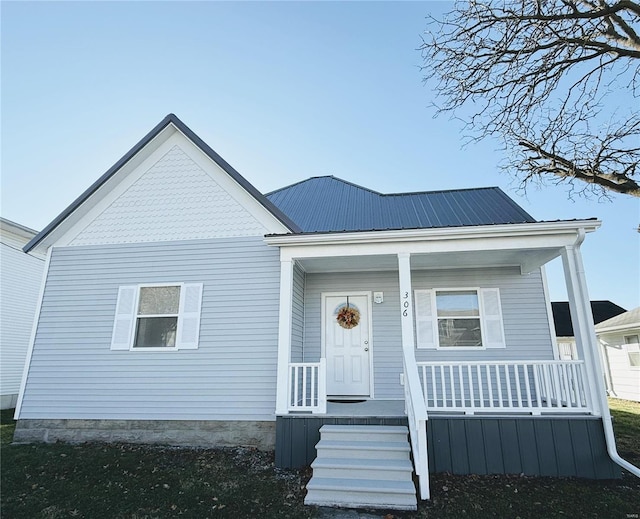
[{"x": 417, "y": 416}]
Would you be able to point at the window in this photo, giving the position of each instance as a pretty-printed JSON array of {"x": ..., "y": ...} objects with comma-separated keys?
[
  {"x": 459, "y": 318},
  {"x": 633, "y": 350},
  {"x": 157, "y": 317}
]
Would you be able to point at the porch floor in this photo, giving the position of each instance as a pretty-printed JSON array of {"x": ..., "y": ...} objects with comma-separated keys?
[{"x": 378, "y": 408}]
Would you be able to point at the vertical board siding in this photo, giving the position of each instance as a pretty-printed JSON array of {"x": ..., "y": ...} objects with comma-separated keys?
[
  {"x": 20, "y": 278},
  {"x": 524, "y": 311},
  {"x": 549, "y": 446},
  {"x": 231, "y": 376},
  {"x": 534, "y": 446}
]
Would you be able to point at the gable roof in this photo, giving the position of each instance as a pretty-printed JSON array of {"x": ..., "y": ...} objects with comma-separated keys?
[
  {"x": 330, "y": 204},
  {"x": 601, "y": 311},
  {"x": 628, "y": 319},
  {"x": 204, "y": 147}
]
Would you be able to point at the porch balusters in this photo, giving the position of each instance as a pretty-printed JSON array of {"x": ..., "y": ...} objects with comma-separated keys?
[
  {"x": 532, "y": 386},
  {"x": 307, "y": 386}
]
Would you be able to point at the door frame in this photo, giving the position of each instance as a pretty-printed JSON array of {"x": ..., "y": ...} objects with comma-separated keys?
[{"x": 323, "y": 343}]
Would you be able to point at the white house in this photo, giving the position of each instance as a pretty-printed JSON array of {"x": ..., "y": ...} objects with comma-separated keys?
[
  {"x": 370, "y": 335},
  {"x": 566, "y": 342},
  {"x": 619, "y": 338},
  {"x": 20, "y": 279}
]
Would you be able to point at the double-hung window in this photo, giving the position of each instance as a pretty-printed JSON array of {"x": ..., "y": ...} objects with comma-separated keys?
[
  {"x": 157, "y": 317},
  {"x": 469, "y": 318}
]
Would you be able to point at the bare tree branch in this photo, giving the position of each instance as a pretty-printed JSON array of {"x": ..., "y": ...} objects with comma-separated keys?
[{"x": 555, "y": 79}]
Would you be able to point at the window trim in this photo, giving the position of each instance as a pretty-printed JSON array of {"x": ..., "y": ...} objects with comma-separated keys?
[{"x": 433, "y": 291}]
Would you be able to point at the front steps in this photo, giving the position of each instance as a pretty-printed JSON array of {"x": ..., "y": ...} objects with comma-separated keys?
[{"x": 362, "y": 466}]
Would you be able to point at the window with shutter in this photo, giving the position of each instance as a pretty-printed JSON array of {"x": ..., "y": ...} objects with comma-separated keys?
[
  {"x": 157, "y": 317},
  {"x": 459, "y": 318}
]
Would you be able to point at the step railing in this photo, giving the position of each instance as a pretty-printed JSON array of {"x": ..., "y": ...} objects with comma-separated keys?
[
  {"x": 417, "y": 418},
  {"x": 534, "y": 387},
  {"x": 307, "y": 386}
]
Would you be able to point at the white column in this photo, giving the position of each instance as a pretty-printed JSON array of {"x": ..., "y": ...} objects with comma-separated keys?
[
  {"x": 583, "y": 327},
  {"x": 284, "y": 336},
  {"x": 406, "y": 301}
]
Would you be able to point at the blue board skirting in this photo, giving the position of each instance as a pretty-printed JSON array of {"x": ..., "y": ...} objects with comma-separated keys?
[{"x": 535, "y": 446}]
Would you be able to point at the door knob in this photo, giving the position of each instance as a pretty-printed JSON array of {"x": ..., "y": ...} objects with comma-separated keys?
[
  {"x": 366, "y": 349},
  {"x": 366, "y": 342}
]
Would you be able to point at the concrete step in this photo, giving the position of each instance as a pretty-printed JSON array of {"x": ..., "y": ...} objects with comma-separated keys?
[
  {"x": 362, "y": 449},
  {"x": 361, "y": 493},
  {"x": 364, "y": 432},
  {"x": 363, "y": 468}
]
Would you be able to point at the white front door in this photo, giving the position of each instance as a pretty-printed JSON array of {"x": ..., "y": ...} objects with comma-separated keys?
[{"x": 347, "y": 348}]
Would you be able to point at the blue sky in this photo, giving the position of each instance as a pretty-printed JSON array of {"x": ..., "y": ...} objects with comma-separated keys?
[{"x": 283, "y": 91}]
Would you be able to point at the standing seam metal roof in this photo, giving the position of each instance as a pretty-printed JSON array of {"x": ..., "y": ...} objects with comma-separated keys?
[{"x": 330, "y": 204}]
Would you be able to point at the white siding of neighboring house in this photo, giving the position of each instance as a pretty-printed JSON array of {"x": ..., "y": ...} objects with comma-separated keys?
[
  {"x": 231, "y": 376},
  {"x": 623, "y": 380},
  {"x": 524, "y": 311},
  {"x": 20, "y": 278}
]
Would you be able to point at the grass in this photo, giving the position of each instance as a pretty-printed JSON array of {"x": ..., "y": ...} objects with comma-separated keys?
[{"x": 136, "y": 482}]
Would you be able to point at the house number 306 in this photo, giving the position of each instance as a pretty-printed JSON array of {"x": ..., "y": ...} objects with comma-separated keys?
[{"x": 405, "y": 305}]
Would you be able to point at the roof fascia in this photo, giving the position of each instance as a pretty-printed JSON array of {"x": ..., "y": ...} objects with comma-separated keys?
[
  {"x": 440, "y": 233},
  {"x": 156, "y": 134},
  {"x": 17, "y": 229},
  {"x": 618, "y": 328}
]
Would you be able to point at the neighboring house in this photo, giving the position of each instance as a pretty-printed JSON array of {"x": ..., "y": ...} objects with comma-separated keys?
[
  {"x": 566, "y": 342},
  {"x": 20, "y": 280},
  {"x": 620, "y": 338},
  {"x": 182, "y": 306}
]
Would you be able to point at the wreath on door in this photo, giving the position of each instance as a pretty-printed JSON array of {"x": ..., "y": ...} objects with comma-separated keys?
[{"x": 348, "y": 317}]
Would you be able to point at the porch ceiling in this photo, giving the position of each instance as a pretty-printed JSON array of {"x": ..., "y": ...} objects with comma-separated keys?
[{"x": 526, "y": 259}]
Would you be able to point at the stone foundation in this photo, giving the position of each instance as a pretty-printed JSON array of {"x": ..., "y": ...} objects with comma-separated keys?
[{"x": 191, "y": 433}]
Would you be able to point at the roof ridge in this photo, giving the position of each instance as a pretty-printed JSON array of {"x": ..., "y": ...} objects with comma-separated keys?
[
  {"x": 440, "y": 191},
  {"x": 324, "y": 176}
]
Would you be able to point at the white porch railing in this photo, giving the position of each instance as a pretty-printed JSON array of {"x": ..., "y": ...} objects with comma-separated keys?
[
  {"x": 307, "y": 386},
  {"x": 526, "y": 386},
  {"x": 417, "y": 418}
]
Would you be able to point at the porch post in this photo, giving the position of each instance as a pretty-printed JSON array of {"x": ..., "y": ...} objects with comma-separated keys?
[
  {"x": 582, "y": 320},
  {"x": 406, "y": 301},
  {"x": 284, "y": 335}
]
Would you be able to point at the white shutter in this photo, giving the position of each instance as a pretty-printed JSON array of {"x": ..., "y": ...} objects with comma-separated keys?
[
  {"x": 491, "y": 314},
  {"x": 426, "y": 323},
  {"x": 189, "y": 318},
  {"x": 124, "y": 318}
]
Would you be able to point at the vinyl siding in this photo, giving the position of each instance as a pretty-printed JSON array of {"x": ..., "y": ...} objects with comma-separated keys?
[
  {"x": 231, "y": 376},
  {"x": 523, "y": 309},
  {"x": 297, "y": 324},
  {"x": 20, "y": 278}
]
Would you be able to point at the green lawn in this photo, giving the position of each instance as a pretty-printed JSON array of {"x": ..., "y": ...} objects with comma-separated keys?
[{"x": 135, "y": 482}]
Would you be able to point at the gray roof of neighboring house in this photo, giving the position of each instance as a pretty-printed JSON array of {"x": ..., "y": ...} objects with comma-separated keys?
[
  {"x": 601, "y": 310},
  {"x": 329, "y": 204},
  {"x": 628, "y": 319}
]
